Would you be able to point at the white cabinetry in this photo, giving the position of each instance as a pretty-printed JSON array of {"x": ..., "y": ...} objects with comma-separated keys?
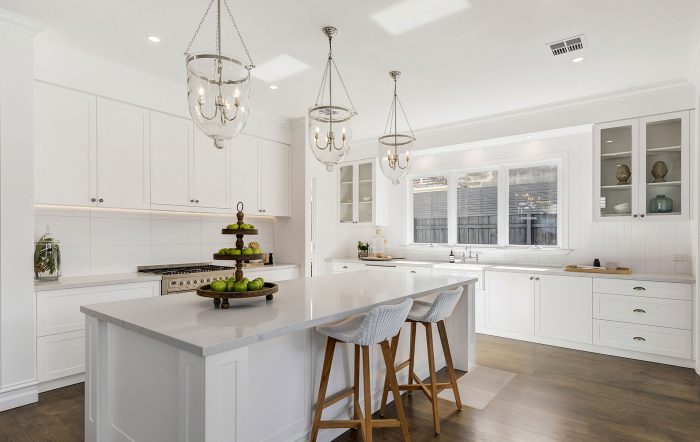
[
  {"x": 186, "y": 169},
  {"x": 260, "y": 176},
  {"x": 60, "y": 328},
  {"x": 563, "y": 308},
  {"x": 65, "y": 147},
  {"x": 123, "y": 153},
  {"x": 511, "y": 302},
  {"x": 362, "y": 193},
  {"x": 640, "y": 144}
]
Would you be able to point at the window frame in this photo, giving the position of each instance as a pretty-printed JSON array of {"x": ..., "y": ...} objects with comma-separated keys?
[{"x": 503, "y": 169}]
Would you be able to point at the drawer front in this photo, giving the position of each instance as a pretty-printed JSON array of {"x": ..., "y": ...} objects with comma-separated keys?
[
  {"x": 643, "y": 338},
  {"x": 272, "y": 275},
  {"x": 342, "y": 267},
  {"x": 60, "y": 355},
  {"x": 58, "y": 311},
  {"x": 651, "y": 289},
  {"x": 640, "y": 310}
]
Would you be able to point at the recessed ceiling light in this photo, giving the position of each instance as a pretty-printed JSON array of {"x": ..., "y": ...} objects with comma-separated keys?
[
  {"x": 154, "y": 39},
  {"x": 277, "y": 68},
  {"x": 273, "y": 87},
  {"x": 608, "y": 141},
  {"x": 411, "y": 14},
  {"x": 577, "y": 60}
]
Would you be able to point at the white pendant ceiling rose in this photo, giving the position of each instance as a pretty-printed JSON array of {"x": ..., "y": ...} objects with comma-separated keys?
[
  {"x": 394, "y": 147},
  {"x": 329, "y": 118},
  {"x": 218, "y": 85}
]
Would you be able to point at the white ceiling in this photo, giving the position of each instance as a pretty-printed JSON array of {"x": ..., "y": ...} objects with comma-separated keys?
[{"x": 484, "y": 59}]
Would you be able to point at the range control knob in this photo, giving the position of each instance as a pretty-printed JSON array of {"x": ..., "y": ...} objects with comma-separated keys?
[{"x": 182, "y": 283}]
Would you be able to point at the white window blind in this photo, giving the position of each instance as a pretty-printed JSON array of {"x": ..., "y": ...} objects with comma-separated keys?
[
  {"x": 477, "y": 208},
  {"x": 429, "y": 209},
  {"x": 532, "y": 205}
]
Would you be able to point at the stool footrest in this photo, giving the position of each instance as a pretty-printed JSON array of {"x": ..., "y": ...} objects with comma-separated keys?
[
  {"x": 340, "y": 424},
  {"x": 339, "y": 396}
]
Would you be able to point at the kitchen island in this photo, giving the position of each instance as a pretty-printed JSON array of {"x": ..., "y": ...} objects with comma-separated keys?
[{"x": 173, "y": 368}]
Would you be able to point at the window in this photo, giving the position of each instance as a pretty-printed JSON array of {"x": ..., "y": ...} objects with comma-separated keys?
[
  {"x": 532, "y": 206},
  {"x": 509, "y": 205},
  {"x": 477, "y": 208},
  {"x": 430, "y": 209}
]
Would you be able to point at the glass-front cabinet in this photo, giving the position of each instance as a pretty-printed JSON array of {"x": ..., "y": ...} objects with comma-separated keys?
[
  {"x": 360, "y": 196},
  {"x": 641, "y": 168}
]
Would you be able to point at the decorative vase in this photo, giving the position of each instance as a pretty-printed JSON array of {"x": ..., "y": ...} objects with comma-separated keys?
[
  {"x": 661, "y": 204},
  {"x": 659, "y": 171},
  {"x": 623, "y": 174},
  {"x": 47, "y": 258}
]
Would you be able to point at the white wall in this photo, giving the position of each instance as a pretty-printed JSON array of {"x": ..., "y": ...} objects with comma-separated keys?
[
  {"x": 98, "y": 241},
  {"x": 646, "y": 246},
  {"x": 17, "y": 360}
]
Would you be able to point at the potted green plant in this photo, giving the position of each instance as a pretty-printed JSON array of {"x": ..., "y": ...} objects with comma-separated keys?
[
  {"x": 47, "y": 258},
  {"x": 362, "y": 249}
]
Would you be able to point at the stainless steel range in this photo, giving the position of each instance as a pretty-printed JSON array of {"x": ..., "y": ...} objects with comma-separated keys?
[{"x": 187, "y": 277}]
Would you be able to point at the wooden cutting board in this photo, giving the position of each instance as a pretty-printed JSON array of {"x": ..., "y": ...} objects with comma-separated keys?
[{"x": 587, "y": 269}]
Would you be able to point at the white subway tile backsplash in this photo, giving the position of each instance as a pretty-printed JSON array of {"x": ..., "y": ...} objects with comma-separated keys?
[
  {"x": 118, "y": 259},
  {"x": 171, "y": 231},
  {"x": 175, "y": 254},
  {"x": 70, "y": 230},
  {"x": 74, "y": 260},
  {"x": 120, "y": 231}
]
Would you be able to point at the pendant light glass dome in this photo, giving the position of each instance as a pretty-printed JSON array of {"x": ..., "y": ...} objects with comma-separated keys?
[
  {"x": 395, "y": 148},
  {"x": 330, "y": 132},
  {"x": 218, "y": 85}
]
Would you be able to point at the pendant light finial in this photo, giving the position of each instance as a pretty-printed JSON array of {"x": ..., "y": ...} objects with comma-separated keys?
[
  {"x": 329, "y": 126},
  {"x": 395, "y": 148}
]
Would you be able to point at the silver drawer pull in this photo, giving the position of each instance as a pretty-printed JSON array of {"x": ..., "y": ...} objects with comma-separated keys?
[
  {"x": 639, "y": 338},
  {"x": 639, "y": 310},
  {"x": 345, "y": 267},
  {"x": 413, "y": 271},
  {"x": 638, "y": 288}
]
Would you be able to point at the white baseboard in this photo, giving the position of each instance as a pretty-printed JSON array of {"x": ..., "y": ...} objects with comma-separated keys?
[
  {"x": 61, "y": 382},
  {"x": 19, "y": 396},
  {"x": 668, "y": 360}
]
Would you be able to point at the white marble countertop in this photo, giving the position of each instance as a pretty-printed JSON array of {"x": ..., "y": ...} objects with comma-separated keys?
[
  {"x": 71, "y": 282},
  {"x": 191, "y": 323},
  {"x": 660, "y": 277}
]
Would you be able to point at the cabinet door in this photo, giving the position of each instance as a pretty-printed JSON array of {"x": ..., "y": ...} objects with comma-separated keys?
[
  {"x": 171, "y": 155},
  {"x": 65, "y": 147},
  {"x": 245, "y": 173},
  {"x": 615, "y": 193},
  {"x": 365, "y": 192},
  {"x": 211, "y": 174},
  {"x": 122, "y": 155},
  {"x": 564, "y": 308},
  {"x": 663, "y": 166},
  {"x": 346, "y": 193},
  {"x": 510, "y": 302},
  {"x": 274, "y": 178}
]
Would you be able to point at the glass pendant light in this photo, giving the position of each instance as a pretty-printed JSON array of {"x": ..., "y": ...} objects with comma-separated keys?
[
  {"x": 395, "y": 148},
  {"x": 218, "y": 85},
  {"x": 330, "y": 132}
]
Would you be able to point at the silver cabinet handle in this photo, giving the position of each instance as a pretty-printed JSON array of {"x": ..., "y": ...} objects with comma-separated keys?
[
  {"x": 531, "y": 278},
  {"x": 639, "y": 338},
  {"x": 191, "y": 201},
  {"x": 537, "y": 278},
  {"x": 638, "y": 288},
  {"x": 642, "y": 215},
  {"x": 101, "y": 200},
  {"x": 639, "y": 310},
  {"x": 93, "y": 199},
  {"x": 635, "y": 215},
  {"x": 345, "y": 267},
  {"x": 413, "y": 271},
  {"x": 196, "y": 201}
]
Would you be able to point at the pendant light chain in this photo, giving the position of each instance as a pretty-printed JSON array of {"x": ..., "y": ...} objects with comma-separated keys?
[
  {"x": 327, "y": 80},
  {"x": 199, "y": 26},
  {"x": 251, "y": 65}
]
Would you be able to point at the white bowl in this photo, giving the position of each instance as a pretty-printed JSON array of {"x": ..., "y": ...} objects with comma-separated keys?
[{"x": 622, "y": 208}]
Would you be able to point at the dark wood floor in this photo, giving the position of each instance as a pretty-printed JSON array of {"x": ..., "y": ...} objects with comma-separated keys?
[{"x": 558, "y": 394}]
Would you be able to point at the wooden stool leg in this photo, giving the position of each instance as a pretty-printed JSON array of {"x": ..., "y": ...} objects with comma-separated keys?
[
  {"x": 433, "y": 377},
  {"x": 389, "y": 355},
  {"x": 368, "y": 394},
  {"x": 385, "y": 393},
  {"x": 448, "y": 360},
  {"x": 325, "y": 375},
  {"x": 356, "y": 384},
  {"x": 412, "y": 356}
]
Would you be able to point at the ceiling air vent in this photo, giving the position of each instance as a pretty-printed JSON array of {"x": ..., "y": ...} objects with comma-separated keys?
[{"x": 567, "y": 45}]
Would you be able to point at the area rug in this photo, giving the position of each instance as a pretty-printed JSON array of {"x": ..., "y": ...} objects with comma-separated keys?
[{"x": 478, "y": 387}]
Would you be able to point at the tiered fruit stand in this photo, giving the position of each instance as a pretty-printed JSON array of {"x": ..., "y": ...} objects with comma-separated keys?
[{"x": 221, "y": 299}]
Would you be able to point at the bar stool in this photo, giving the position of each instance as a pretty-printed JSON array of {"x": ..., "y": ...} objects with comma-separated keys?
[
  {"x": 374, "y": 327},
  {"x": 427, "y": 314}
]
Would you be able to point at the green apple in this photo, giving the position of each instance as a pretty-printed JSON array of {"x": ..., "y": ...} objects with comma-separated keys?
[
  {"x": 247, "y": 251},
  {"x": 235, "y": 251},
  {"x": 240, "y": 286},
  {"x": 262, "y": 281},
  {"x": 223, "y": 251},
  {"x": 257, "y": 251},
  {"x": 253, "y": 286},
  {"x": 230, "y": 285},
  {"x": 218, "y": 286},
  {"x": 245, "y": 226},
  {"x": 232, "y": 227},
  {"x": 250, "y": 226}
]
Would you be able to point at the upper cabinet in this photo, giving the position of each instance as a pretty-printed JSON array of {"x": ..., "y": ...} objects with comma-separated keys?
[
  {"x": 89, "y": 151},
  {"x": 65, "y": 146},
  {"x": 260, "y": 176},
  {"x": 641, "y": 168},
  {"x": 186, "y": 169},
  {"x": 361, "y": 193}
]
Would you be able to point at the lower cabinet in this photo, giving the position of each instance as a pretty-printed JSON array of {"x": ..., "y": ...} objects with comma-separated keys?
[
  {"x": 60, "y": 327},
  {"x": 563, "y": 308},
  {"x": 510, "y": 302}
]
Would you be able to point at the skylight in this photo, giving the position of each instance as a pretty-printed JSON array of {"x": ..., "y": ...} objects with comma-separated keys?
[
  {"x": 277, "y": 68},
  {"x": 411, "y": 14}
]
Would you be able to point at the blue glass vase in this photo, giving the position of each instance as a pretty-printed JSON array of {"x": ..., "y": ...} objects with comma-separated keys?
[{"x": 661, "y": 204}]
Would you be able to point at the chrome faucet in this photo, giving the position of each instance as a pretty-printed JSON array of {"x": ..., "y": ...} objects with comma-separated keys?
[{"x": 466, "y": 259}]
